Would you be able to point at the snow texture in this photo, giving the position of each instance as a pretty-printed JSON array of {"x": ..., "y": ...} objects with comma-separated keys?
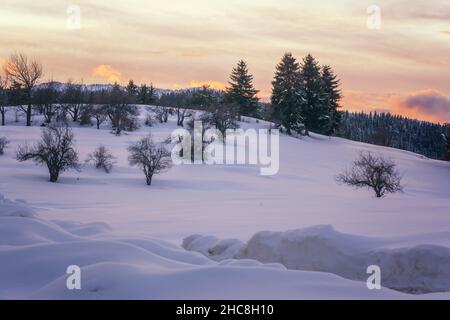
[
  {"x": 126, "y": 236},
  {"x": 418, "y": 269},
  {"x": 34, "y": 255}
]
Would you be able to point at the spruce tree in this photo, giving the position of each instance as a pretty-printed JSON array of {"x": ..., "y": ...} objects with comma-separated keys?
[
  {"x": 446, "y": 134},
  {"x": 204, "y": 97},
  {"x": 151, "y": 94},
  {"x": 448, "y": 148},
  {"x": 313, "y": 109},
  {"x": 143, "y": 94},
  {"x": 132, "y": 89},
  {"x": 241, "y": 91},
  {"x": 287, "y": 94},
  {"x": 332, "y": 96}
]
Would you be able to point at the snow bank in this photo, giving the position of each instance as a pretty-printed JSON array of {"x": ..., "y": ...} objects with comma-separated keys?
[
  {"x": 212, "y": 247},
  {"x": 17, "y": 208},
  {"x": 418, "y": 269},
  {"x": 35, "y": 254}
]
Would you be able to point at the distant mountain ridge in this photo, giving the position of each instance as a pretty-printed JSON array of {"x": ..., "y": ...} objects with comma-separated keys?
[{"x": 60, "y": 86}]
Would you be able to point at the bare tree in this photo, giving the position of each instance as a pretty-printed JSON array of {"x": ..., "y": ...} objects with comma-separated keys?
[
  {"x": 55, "y": 150},
  {"x": 222, "y": 117},
  {"x": 162, "y": 114},
  {"x": 373, "y": 172},
  {"x": 121, "y": 113},
  {"x": 99, "y": 114},
  {"x": 45, "y": 99},
  {"x": 26, "y": 74},
  {"x": 151, "y": 157},
  {"x": 182, "y": 114},
  {"x": 102, "y": 159},
  {"x": 3, "y": 144},
  {"x": 72, "y": 99}
]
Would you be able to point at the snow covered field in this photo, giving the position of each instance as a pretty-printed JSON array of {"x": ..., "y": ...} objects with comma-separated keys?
[{"x": 127, "y": 237}]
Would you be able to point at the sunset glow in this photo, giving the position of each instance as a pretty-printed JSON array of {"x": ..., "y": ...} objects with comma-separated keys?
[{"x": 176, "y": 44}]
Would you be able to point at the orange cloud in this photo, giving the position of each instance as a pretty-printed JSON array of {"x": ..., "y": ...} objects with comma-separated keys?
[
  {"x": 107, "y": 72},
  {"x": 429, "y": 104},
  {"x": 446, "y": 32}
]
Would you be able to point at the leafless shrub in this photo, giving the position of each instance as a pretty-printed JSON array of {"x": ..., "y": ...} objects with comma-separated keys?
[
  {"x": 55, "y": 150},
  {"x": 151, "y": 157},
  {"x": 102, "y": 159},
  {"x": 162, "y": 114},
  {"x": 3, "y": 144},
  {"x": 374, "y": 172}
]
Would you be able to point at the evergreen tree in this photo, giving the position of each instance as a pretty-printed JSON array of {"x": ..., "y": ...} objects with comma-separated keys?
[
  {"x": 241, "y": 91},
  {"x": 151, "y": 94},
  {"x": 204, "y": 97},
  {"x": 146, "y": 95},
  {"x": 448, "y": 148},
  {"x": 332, "y": 96},
  {"x": 314, "y": 109},
  {"x": 121, "y": 111},
  {"x": 395, "y": 131},
  {"x": 446, "y": 135},
  {"x": 132, "y": 90},
  {"x": 287, "y": 94},
  {"x": 143, "y": 95}
]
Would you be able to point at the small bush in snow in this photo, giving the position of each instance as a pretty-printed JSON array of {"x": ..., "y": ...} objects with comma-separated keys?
[
  {"x": 102, "y": 159},
  {"x": 55, "y": 150},
  {"x": 374, "y": 172},
  {"x": 3, "y": 144},
  {"x": 152, "y": 157},
  {"x": 162, "y": 114},
  {"x": 149, "y": 121}
]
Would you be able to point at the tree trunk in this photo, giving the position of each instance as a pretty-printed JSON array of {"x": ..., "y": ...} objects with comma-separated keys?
[
  {"x": 29, "y": 115},
  {"x": 149, "y": 179},
  {"x": 54, "y": 176},
  {"x": 3, "y": 118},
  {"x": 75, "y": 115}
]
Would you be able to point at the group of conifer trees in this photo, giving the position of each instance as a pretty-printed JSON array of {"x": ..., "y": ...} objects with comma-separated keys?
[{"x": 305, "y": 96}]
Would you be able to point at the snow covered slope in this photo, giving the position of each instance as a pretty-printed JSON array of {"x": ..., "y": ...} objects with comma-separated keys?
[
  {"x": 224, "y": 201},
  {"x": 34, "y": 255}
]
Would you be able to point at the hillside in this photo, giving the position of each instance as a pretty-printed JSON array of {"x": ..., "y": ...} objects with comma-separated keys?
[{"x": 140, "y": 229}]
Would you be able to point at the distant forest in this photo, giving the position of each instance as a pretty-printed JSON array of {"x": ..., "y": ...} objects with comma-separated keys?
[{"x": 385, "y": 129}]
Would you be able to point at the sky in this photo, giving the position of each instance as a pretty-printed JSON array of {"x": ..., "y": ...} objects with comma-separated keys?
[{"x": 389, "y": 55}]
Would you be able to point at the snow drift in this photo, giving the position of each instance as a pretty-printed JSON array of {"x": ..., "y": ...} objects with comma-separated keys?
[
  {"x": 34, "y": 256},
  {"x": 418, "y": 269},
  {"x": 16, "y": 208}
]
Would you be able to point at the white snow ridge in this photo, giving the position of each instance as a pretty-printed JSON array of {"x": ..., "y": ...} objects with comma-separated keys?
[
  {"x": 34, "y": 255},
  {"x": 418, "y": 269}
]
